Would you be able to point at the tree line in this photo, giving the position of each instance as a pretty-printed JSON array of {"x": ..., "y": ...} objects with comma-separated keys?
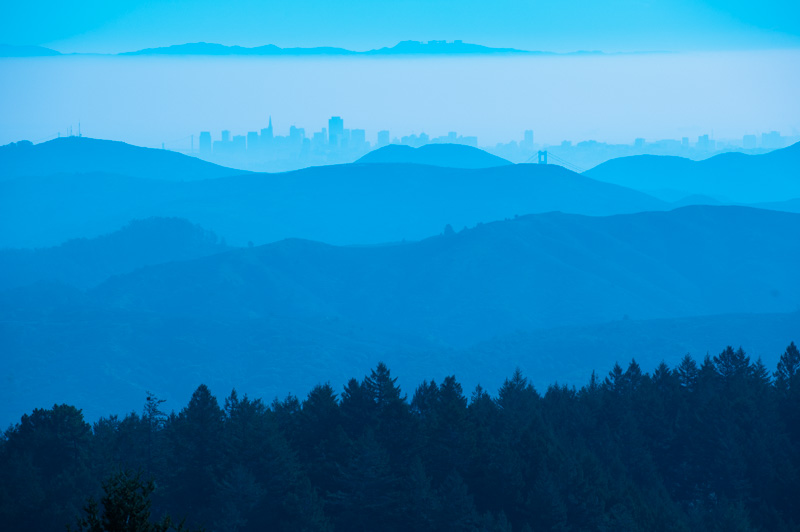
[{"x": 713, "y": 445}]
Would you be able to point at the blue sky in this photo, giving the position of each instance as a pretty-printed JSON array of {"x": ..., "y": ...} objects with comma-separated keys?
[{"x": 609, "y": 25}]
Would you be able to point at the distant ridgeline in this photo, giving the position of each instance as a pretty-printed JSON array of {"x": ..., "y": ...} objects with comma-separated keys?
[
  {"x": 707, "y": 445},
  {"x": 202, "y": 48}
]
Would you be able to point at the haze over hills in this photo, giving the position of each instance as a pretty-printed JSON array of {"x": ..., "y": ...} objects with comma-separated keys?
[
  {"x": 555, "y": 294},
  {"x": 68, "y": 155},
  {"x": 85, "y": 262},
  {"x": 448, "y": 155},
  {"x": 532, "y": 272},
  {"x": 402, "y": 48},
  {"x": 343, "y": 204},
  {"x": 729, "y": 177}
]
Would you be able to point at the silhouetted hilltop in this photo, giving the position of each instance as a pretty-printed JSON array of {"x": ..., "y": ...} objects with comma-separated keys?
[
  {"x": 404, "y": 47},
  {"x": 450, "y": 155},
  {"x": 82, "y": 154},
  {"x": 792, "y": 205},
  {"x": 536, "y": 271},
  {"x": 343, "y": 204},
  {"x": 555, "y": 294},
  {"x": 443, "y": 47},
  {"x": 7, "y": 50},
  {"x": 86, "y": 262},
  {"x": 732, "y": 177},
  {"x": 204, "y": 48}
]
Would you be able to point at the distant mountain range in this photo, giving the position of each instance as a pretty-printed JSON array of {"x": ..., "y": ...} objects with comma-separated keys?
[
  {"x": 69, "y": 155},
  {"x": 340, "y": 204},
  {"x": 447, "y": 155},
  {"x": 728, "y": 177},
  {"x": 555, "y": 294},
  {"x": 203, "y": 48}
]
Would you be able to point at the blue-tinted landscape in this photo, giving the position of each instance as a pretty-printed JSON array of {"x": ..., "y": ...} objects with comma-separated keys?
[{"x": 346, "y": 275}]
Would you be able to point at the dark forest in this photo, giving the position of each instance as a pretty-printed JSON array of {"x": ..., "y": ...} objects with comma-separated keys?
[{"x": 709, "y": 445}]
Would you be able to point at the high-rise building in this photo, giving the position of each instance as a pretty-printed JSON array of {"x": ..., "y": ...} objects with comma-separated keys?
[
  {"x": 703, "y": 143},
  {"x": 358, "y": 139},
  {"x": 527, "y": 142},
  {"x": 319, "y": 139},
  {"x": 383, "y": 138},
  {"x": 205, "y": 142},
  {"x": 296, "y": 135},
  {"x": 226, "y": 135},
  {"x": 771, "y": 140},
  {"x": 685, "y": 142},
  {"x": 253, "y": 143},
  {"x": 266, "y": 133},
  {"x": 335, "y": 131},
  {"x": 749, "y": 142},
  {"x": 239, "y": 143}
]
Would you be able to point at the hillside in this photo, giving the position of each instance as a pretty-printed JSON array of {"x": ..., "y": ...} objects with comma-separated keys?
[
  {"x": 449, "y": 155},
  {"x": 557, "y": 295},
  {"x": 536, "y": 271},
  {"x": 343, "y": 204},
  {"x": 85, "y": 262},
  {"x": 69, "y": 155},
  {"x": 729, "y": 177}
]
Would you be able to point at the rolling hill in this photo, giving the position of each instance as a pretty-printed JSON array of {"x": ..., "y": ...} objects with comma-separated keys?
[
  {"x": 68, "y": 155},
  {"x": 556, "y": 294},
  {"x": 342, "y": 204},
  {"x": 728, "y": 177},
  {"x": 85, "y": 262},
  {"x": 537, "y": 271},
  {"x": 449, "y": 155}
]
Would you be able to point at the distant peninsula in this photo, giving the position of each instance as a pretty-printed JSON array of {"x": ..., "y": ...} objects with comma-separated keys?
[
  {"x": 440, "y": 48},
  {"x": 403, "y": 48}
]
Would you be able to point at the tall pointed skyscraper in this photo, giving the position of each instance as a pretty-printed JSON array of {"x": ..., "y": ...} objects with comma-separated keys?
[{"x": 266, "y": 133}]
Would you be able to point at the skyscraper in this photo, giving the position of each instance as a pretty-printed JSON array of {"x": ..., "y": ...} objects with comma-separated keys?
[
  {"x": 252, "y": 141},
  {"x": 205, "y": 142},
  {"x": 527, "y": 142},
  {"x": 266, "y": 133},
  {"x": 383, "y": 138},
  {"x": 358, "y": 139},
  {"x": 771, "y": 140},
  {"x": 335, "y": 131}
]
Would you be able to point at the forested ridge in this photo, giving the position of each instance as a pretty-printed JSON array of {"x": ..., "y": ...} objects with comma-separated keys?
[{"x": 709, "y": 445}]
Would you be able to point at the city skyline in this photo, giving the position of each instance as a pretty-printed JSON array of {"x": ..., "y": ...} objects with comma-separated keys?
[{"x": 266, "y": 150}]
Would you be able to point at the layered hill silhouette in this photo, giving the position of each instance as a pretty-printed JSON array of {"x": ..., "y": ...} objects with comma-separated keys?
[
  {"x": 69, "y": 155},
  {"x": 82, "y": 263},
  {"x": 401, "y": 48},
  {"x": 342, "y": 204},
  {"x": 729, "y": 177},
  {"x": 449, "y": 155},
  {"x": 536, "y": 271},
  {"x": 555, "y": 294}
]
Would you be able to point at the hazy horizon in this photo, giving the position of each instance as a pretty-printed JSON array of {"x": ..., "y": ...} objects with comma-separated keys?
[{"x": 148, "y": 101}]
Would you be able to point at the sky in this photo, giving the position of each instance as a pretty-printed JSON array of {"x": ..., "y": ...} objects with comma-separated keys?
[
  {"x": 613, "y": 98},
  {"x": 735, "y": 71},
  {"x": 607, "y": 25}
]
